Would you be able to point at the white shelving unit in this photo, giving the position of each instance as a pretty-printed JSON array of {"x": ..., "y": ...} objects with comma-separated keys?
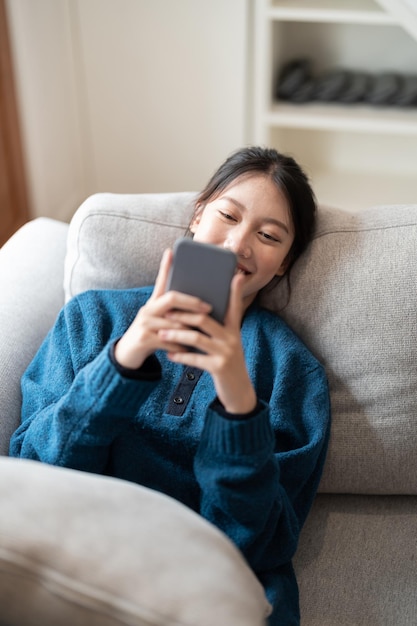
[{"x": 356, "y": 155}]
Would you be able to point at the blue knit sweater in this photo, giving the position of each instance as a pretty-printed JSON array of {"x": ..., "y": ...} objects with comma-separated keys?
[{"x": 254, "y": 478}]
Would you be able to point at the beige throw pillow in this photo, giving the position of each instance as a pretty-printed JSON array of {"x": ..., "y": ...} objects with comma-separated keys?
[{"x": 86, "y": 550}]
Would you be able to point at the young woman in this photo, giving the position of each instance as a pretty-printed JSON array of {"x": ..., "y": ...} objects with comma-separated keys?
[{"x": 238, "y": 431}]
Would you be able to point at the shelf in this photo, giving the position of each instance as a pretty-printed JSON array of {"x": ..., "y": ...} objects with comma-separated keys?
[
  {"x": 356, "y": 155},
  {"x": 355, "y": 118},
  {"x": 347, "y": 11}
]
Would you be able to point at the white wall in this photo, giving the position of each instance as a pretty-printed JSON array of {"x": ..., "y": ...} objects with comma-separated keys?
[
  {"x": 127, "y": 95},
  {"x": 45, "y": 81}
]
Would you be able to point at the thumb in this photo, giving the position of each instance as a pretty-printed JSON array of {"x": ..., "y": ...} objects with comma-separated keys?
[{"x": 235, "y": 308}]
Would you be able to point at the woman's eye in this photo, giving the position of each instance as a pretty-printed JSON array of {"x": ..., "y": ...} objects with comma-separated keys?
[
  {"x": 269, "y": 237},
  {"x": 227, "y": 216}
]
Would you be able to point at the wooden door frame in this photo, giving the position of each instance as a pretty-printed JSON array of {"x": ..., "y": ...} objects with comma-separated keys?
[{"x": 15, "y": 209}]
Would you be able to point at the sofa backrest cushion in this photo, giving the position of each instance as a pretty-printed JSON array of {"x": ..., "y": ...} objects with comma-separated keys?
[
  {"x": 353, "y": 301},
  {"x": 116, "y": 240}
]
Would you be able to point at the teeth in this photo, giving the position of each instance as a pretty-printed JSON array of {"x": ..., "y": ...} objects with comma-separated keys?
[{"x": 239, "y": 271}]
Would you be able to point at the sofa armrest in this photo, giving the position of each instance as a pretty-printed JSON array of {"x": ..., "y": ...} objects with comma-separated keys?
[{"x": 31, "y": 294}]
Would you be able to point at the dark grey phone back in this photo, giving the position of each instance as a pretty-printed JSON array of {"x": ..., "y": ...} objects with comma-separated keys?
[{"x": 205, "y": 271}]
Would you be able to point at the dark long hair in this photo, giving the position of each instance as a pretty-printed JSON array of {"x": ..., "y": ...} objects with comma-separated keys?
[{"x": 288, "y": 177}]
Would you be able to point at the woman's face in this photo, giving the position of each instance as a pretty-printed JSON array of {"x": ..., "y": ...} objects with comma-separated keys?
[{"x": 251, "y": 218}]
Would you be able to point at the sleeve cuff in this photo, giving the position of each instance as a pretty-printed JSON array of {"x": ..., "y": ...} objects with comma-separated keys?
[
  {"x": 218, "y": 407},
  {"x": 149, "y": 370},
  {"x": 251, "y": 436}
]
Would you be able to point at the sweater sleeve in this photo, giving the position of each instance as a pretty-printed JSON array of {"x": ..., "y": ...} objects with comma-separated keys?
[
  {"x": 258, "y": 477},
  {"x": 75, "y": 402}
]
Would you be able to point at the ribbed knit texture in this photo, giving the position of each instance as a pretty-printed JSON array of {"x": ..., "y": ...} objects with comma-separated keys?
[
  {"x": 254, "y": 478},
  {"x": 244, "y": 437}
]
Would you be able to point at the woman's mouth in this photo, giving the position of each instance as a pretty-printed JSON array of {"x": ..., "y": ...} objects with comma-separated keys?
[{"x": 242, "y": 270}]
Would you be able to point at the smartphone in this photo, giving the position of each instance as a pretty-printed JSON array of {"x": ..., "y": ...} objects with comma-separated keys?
[{"x": 205, "y": 271}]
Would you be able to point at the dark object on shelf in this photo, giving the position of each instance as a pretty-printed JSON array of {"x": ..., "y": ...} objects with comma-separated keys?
[
  {"x": 293, "y": 78},
  {"x": 304, "y": 93},
  {"x": 359, "y": 84},
  {"x": 407, "y": 95},
  {"x": 384, "y": 88},
  {"x": 297, "y": 83},
  {"x": 330, "y": 86}
]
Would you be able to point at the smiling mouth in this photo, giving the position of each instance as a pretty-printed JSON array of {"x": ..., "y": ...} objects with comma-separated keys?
[{"x": 241, "y": 270}]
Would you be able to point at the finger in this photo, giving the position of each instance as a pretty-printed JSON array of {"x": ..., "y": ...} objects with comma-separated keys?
[
  {"x": 200, "y": 320},
  {"x": 186, "y": 337},
  {"x": 155, "y": 324},
  {"x": 172, "y": 348},
  {"x": 178, "y": 301},
  {"x": 190, "y": 359},
  {"x": 160, "y": 308},
  {"x": 235, "y": 308},
  {"x": 163, "y": 273}
]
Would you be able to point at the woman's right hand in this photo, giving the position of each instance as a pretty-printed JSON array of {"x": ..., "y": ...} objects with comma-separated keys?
[{"x": 142, "y": 337}]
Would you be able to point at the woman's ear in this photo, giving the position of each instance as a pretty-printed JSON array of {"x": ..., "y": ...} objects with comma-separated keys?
[
  {"x": 195, "y": 220},
  {"x": 194, "y": 223},
  {"x": 284, "y": 266}
]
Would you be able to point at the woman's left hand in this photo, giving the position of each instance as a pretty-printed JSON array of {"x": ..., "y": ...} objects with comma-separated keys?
[{"x": 221, "y": 350}]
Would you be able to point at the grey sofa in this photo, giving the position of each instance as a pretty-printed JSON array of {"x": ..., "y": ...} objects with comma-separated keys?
[{"x": 84, "y": 549}]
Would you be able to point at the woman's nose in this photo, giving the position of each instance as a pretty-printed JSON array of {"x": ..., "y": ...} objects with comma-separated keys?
[{"x": 239, "y": 244}]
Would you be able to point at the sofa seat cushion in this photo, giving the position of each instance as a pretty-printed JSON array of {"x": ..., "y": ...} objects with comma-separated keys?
[
  {"x": 356, "y": 561},
  {"x": 82, "y": 549}
]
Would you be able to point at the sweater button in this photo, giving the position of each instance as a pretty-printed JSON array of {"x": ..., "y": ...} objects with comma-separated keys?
[
  {"x": 190, "y": 376},
  {"x": 178, "y": 400}
]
